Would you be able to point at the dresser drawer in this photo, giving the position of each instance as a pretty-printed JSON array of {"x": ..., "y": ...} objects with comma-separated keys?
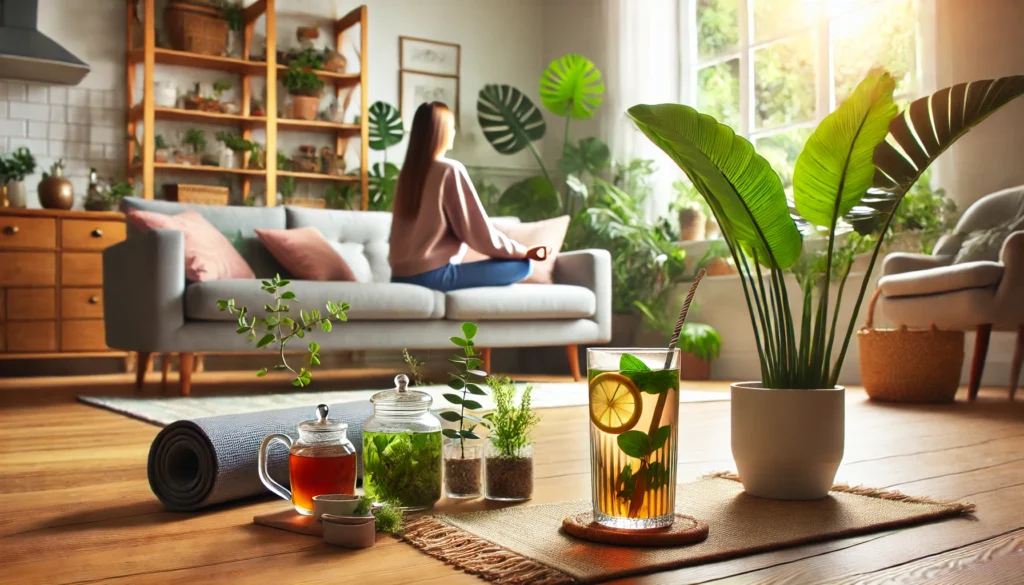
[
  {"x": 89, "y": 234},
  {"x": 81, "y": 269},
  {"x": 27, "y": 232},
  {"x": 28, "y": 268},
  {"x": 81, "y": 303},
  {"x": 83, "y": 335},
  {"x": 24, "y": 336},
  {"x": 27, "y": 304}
]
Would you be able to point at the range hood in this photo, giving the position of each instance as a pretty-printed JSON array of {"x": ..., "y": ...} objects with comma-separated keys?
[{"x": 26, "y": 53}]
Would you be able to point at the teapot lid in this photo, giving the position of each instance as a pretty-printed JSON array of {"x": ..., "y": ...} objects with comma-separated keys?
[
  {"x": 401, "y": 398},
  {"x": 322, "y": 423}
]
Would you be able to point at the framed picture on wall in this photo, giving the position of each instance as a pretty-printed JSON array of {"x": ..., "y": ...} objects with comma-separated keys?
[
  {"x": 425, "y": 56},
  {"x": 416, "y": 88}
]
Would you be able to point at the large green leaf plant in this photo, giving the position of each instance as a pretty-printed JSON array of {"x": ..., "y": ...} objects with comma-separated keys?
[{"x": 865, "y": 144}]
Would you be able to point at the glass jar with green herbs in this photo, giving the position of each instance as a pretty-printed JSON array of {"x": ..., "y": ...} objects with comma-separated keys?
[{"x": 402, "y": 449}]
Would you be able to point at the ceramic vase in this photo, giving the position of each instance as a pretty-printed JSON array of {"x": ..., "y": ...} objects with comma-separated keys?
[
  {"x": 56, "y": 192},
  {"x": 16, "y": 196},
  {"x": 787, "y": 444}
]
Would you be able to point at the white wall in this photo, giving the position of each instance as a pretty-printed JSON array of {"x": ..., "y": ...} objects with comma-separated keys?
[{"x": 501, "y": 42}]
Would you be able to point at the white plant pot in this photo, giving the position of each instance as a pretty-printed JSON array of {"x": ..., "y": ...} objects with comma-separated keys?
[
  {"x": 16, "y": 194},
  {"x": 787, "y": 444},
  {"x": 165, "y": 94}
]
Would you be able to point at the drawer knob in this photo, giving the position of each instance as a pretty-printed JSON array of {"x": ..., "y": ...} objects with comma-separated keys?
[
  {"x": 94, "y": 299},
  {"x": 97, "y": 233},
  {"x": 10, "y": 230}
]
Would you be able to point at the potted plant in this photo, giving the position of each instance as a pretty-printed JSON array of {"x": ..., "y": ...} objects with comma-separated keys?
[
  {"x": 285, "y": 189},
  {"x": 508, "y": 454},
  {"x": 196, "y": 139},
  {"x": 717, "y": 260},
  {"x": 462, "y": 468},
  {"x": 234, "y": 15},
  {"x": 235, "y": 153},
  {"x": 699, "y": 345},
  {"x": 305, "y": 88},
  {"x": 13, "y": 170},
  {"x": 162, "y": 153},
  {"x": 788, "y": 428}
]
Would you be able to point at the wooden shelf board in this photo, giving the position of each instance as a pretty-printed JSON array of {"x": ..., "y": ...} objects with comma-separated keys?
[
  {"x": 197, "y": 116},
  {"x": 202, "y": 169},
  {"x": 317, "y": 126},
  {"x": 351, "y": 19},
  {"x": 216, "y": 63},
  {"x": 319, "y": 176},
  {"x": 57, "y": 355},
  {"x": 338, "y": 79}
]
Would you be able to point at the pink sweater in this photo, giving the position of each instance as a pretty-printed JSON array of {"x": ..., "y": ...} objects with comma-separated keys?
[{"x": 450, "y": 218}]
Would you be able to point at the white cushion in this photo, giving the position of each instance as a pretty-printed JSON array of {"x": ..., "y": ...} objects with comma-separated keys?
[
  {"x": 353, "y": 254},
  {"x": 942, "y": 279},
  {"x": 521, "y": 301}
]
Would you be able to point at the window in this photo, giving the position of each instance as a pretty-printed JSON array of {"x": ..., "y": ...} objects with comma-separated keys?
[{"x": 772, "y": 69}]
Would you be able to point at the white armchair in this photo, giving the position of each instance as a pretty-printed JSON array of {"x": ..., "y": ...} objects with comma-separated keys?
[{"x": 919, "y": 290}]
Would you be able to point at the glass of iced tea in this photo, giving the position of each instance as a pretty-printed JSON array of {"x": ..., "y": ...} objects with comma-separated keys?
[
  {"x": 634, "y": 412},
  {"x": 322, "y": 461}
]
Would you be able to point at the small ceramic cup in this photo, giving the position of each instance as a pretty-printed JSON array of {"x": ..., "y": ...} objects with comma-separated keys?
[
  {"x": 349, "y": 531},
  {"x": 336, "y": 504}
]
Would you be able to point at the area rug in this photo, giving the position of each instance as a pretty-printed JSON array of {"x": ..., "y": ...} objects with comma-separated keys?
[
  {"x": 164, "y": 411},
  {"x": 525, "y": 544}
]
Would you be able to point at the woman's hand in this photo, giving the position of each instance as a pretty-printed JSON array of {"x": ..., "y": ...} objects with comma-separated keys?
[{"x": 538, "y": 253}]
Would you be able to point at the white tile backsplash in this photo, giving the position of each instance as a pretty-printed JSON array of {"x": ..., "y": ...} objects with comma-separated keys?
[
  {"x": 29, "y": 111},
  {"x": 37, "y": 129}
]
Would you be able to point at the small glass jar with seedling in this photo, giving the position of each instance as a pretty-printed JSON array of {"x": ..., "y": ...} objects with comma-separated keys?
[
  {"x": 462, "y": 460},
  {"x": 508, "y": 454},
  {"x": 402, "y": 449}
]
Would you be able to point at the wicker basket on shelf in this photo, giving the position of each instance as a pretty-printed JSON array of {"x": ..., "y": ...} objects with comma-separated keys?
[
  {"x": 196, "y": 194},
  {"x": 902, "y": 365},
  {"x": 310, "y": 202},
  {"x": 196, "y": 28}
]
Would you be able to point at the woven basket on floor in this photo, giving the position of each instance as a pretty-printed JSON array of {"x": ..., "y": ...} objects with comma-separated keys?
[{"x": 902, "y": 365}]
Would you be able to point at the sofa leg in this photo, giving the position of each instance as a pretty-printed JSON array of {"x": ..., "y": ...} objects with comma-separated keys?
[
  {"x": 978, "y": 363},
  {"x": 1018, "y": 357},
  {"x": 573, "y": 353},
  {"x": 185, "y": 363},
  {"x": 144, "y": 363},
  {"x": 165, "y": 368},
  {"x": 485, "y": 354}
]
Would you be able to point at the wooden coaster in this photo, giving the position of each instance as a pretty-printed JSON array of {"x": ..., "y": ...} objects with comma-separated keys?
[{"x": 685, "y": 530}]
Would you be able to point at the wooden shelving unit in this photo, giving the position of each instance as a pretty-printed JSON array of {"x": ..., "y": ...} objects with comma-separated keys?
[{"x": 145, "y": 112}]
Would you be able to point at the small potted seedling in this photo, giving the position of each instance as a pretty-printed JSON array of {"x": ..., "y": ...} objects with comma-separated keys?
[
  {"x": 162, "y": 154},
  {"x": 462, "y": 461},
  {"x": 219, "y": 87},
  {"x": 508, "y": 455},
  {"x": 305, "y": 88},
  {"x": 196, "y": 140}
]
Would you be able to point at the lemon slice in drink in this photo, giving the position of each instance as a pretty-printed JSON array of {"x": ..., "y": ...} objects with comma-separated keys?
[{"x": 615, "y": 403}]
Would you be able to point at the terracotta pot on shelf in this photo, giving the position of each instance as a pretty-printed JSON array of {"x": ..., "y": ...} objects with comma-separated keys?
[
  {"x": 720, "y": 267},
  {"x": 692, "y": 367},
  {"x": 305, "y": 107},
  {"x": 692, "y": 225},
  {"x": 196, "y": 28}
]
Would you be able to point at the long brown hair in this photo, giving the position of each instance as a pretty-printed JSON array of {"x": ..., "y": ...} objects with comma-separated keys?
[{"x": 427, "y": 141}]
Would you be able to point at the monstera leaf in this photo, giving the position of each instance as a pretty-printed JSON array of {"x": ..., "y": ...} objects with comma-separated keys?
[
  {"x": 591, "y": 155},
  {"x": 532, "y": 199},
  {"x": 572, "y": 86},
  {"x": 385, "y": 125},
  {"x": 835, "y": 168},
  {"x": 931, "y": 124},
  {"x": 738, "y": 184},
  {"x": 510, "y": 121},
  {"x": 383, "y": 182}
]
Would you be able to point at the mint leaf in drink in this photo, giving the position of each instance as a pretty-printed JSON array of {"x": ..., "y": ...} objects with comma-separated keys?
[
  {"x": 660, "y": 437},
  {"x": 635, "y": 444},
  {"x": 632, "y": 363},
  {"x": 657, "y": 475},
  {"x": 654, "y": 382}
]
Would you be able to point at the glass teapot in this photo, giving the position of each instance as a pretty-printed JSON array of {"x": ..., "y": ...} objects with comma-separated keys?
[
  {"x": 322, "y": 461},
  {"x": 402, "y": 448}
]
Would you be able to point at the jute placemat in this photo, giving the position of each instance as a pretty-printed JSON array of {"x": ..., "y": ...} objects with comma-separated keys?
[{"x": 524, "y": 544}]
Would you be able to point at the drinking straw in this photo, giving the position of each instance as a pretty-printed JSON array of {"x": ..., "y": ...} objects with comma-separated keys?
[{"x": 682, "y": 317}]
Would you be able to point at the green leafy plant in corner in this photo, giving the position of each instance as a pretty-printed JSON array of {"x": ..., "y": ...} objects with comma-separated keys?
[
  {"x": 863, "y": 144},
  {"x": 415, "y": 367},
  {"x": 464, "y": 379},
  {"x": 302, "y": 81},
  {"x": 386, "y": 128},
  {"x": 700, "y": 339},
  {"x": 511, "y": 426},
  {"x": 279, "y": 328}
]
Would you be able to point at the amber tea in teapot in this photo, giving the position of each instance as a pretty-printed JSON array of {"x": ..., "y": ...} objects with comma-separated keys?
[{"x": 322, "y": 461}]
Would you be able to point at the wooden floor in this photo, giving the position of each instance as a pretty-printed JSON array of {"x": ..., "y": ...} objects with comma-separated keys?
[{"x": 75, "y": 506}]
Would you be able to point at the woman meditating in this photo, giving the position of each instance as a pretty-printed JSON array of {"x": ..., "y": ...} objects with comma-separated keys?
[{"x": 438, "y": 214}]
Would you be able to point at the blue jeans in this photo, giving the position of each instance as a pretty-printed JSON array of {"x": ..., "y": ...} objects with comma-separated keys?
[{"x": 471, "y": 275}]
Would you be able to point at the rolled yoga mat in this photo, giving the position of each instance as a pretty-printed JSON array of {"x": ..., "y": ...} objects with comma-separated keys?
[{"x": 205, "y": 461}]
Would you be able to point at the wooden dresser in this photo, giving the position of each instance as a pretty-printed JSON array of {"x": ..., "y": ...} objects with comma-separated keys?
[{"x": 51, "y": 281}]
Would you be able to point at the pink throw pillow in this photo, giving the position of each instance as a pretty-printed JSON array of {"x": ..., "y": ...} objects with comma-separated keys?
[
  {"x": 306, "y": 253},
  {"x": 208, "y": 254},
  {"x": 547, "y": 232}
]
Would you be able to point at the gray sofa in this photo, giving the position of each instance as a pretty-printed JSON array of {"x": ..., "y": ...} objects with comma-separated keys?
[{"x": 150, "y": 308}]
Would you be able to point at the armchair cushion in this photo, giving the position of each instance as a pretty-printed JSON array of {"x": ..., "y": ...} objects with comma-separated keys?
[{"x": 943, "y": 279}]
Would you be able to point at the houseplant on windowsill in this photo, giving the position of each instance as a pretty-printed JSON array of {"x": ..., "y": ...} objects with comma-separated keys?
[
  {"x": 305, "y": 88},
  {"x": 508, "y": 454},
  {"x": 788, "y": 429}
]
